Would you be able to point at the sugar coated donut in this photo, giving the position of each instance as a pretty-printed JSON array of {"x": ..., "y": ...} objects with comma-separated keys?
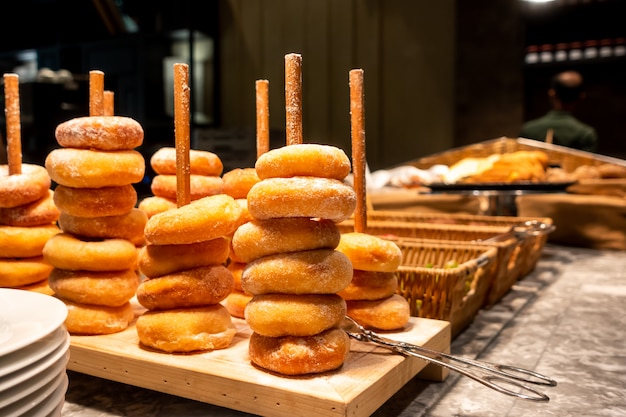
[
  {"x": 91, "y": 319},
  {"x": 25, "y": 242},
  {"x": 107, "y": 288},
  {"x": 301, "y": 197},
  {"x": 39, "y": 212},
  {"x": 196, "y": 329},
  {"x": 319, "y": 271},
  {"x": 245, "y": 217},
  {"x": 23, "y": 271},
  {"x": 259, "y": 238},
  {"x": 127, "y": 226},
  {"x": 238, "y": 181},
  {"x": 278, "y": 315},
  {"x": 370, "y": 285},
  {"x": 236, "y": 303},
  {"x": 164, "y": 185},
  {"x": 194, "y": 287},
  {"x": 370, "y": 253},
  {"x": 95, "y": 202},
  {"x": 300, "y": 355},
  {"x": 19, "y": 189},
  {"x": 107, "y": 133},
  {"x": 66, "y": 251},
  {"x": 86, "y": 168},
  {"x": 201, "y": 162},
  {"x": 154, "y": 205},
  {"x": 306, "y": 160},
  {"x": 391, "y": 313},
  {"x": 204, "y": 219},
  {"x": 157, "y": 260}
]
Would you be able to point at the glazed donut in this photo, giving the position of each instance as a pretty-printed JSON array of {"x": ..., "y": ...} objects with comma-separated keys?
[
  {"x": 201, "y": 162},
  {"x": 236, "y": 303},
  {"x": 301, "y": 197},
  {"x": 91, "y": 319},
  {"x": 41, "y": 287},
  {"x": 25, "y": 242},
  {"x": 157, "y": 260},
  {"x": 319, "y": 271},
  {"x": 201, "y": 328},
  {"x": 154, "y": 205},
  {"x": 391, "y": 313},
  {"x": 127, "y": 226},
  {"x": 95, "y": 202},
  {"x": 66, "y": 251},
  {"x": 370, "y": 253},
  {"x": 194, "y": 287},
  {"x": 370, "y": 285},
  {"x": 204, "y": 219},
  {"x": 259, "y": 238},
  {"x": 37, "y": 213},
  {"x": 164, "y": 185},
  {"x": 19, "y": 189},
  {"x": 236, "y": 268},
  {"x": 107, "y": 288},
  {"x": 86, "y": 168},
  {"x": 238, "y": 181},
  {"x": 277, "y": 315},
  {"x": 294, "y": 355},
  {"x": 23, "y": 271},
  {"x": 303, "y": 160},
  {"x": 106, "y": 133}
]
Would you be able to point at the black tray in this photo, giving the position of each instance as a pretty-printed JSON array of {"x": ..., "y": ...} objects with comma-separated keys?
[{"x": 501, "y": 186}]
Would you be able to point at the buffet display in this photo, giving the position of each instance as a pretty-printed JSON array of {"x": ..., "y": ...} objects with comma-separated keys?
[{"x": 242, "y": 280}]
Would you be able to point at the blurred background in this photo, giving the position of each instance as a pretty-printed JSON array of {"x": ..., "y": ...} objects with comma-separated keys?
[{"x": 438, "y": 74}]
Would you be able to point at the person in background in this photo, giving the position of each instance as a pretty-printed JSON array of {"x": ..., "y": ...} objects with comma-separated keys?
[{"x": 559, "y": 125}]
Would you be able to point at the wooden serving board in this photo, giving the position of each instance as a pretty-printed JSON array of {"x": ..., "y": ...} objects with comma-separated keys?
[{"x": 369, "y": 377}]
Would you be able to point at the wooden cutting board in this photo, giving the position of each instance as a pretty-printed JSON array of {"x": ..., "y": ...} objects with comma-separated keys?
[{"x": 226, "y": 378}]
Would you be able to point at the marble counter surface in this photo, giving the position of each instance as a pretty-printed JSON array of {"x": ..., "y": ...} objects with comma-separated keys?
[{"x": 567, "y": 320}]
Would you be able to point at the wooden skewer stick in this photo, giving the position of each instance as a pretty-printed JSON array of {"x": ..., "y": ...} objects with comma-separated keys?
[
  {"x": 549, "y": 136},
  {"x": 14, "y": 132},
  {"x": 293, "y": 98},
  {"x": 357, "y": 123},
  {"x": 96, "y": 93},
  {"x": 262, "y": 117},
  {"x": 181, "y": 131},
  {"x": 109, "y": 103}
]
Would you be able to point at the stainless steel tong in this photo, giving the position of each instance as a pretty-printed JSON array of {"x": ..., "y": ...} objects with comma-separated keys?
[{"x": 494, "y": 376}]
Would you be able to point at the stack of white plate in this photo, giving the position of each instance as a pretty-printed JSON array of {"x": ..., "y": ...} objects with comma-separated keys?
[{"x": 34, "y": 351}]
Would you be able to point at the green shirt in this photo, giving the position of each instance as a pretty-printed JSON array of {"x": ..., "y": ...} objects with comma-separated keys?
[{"x": 567, "y": 131}]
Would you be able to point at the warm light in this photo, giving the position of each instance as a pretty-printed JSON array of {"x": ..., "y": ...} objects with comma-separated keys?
[{"x": 538, "y": 1}]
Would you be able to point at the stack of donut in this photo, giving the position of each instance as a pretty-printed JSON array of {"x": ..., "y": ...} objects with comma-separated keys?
[
  {"x": 205, "y": 170},
  {"x": 371, "y": 297},
  {"x": 293, "y": 270},
  {"x": 95, "y": 258},
  {"x": 186, "y": 277},
  {"x": 28, "y": 219},
  {"x": 237, "y": 184}
]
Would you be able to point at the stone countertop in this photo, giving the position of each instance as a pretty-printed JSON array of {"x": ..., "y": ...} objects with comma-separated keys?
[{"x": 567, "y": 320}]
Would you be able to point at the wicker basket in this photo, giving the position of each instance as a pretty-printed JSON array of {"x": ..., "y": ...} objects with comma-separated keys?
[
  {"x": 529, "y": 248},
  {"x": 567, "y": 158},
  {"x": 453, "y": 294},
  {"x": 508, "y": 247}
]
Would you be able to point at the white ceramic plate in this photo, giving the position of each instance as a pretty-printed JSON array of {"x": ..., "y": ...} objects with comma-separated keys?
[
  {"x": 33, "y": 352},
  {"x": 53, "y": 405},
  {"x": 44, "y": 399},
  {"x": 34, "y": 369},
  {"x": 21, "y": 390},
  {"x": 27, "y": 316}
]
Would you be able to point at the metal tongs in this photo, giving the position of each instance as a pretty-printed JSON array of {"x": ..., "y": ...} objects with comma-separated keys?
[{"x": 492, "y": 375}]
